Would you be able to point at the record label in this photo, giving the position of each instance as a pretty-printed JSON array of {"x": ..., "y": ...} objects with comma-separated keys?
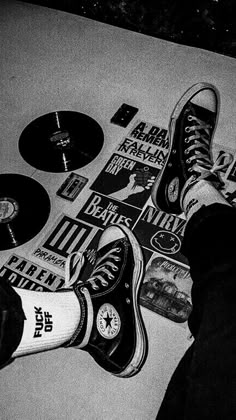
[{"x": 8, "y": 209}]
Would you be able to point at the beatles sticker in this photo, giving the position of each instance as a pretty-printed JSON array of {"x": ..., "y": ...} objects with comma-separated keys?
[{"x": 102, "y": 211}]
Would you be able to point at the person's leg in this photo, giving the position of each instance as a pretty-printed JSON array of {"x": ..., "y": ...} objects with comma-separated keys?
[
  {"x": 50, "y": 319},
  {"x": 100, "y": 315},
  {"x": 203, "y": 385}
]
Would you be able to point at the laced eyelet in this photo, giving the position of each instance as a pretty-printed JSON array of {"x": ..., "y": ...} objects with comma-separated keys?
[
  {"x": 187, "y": 129},
  {"x": 190, "y": 118},
  {"x": 186, "y": 140},
  {"x": 118, "y": 249},
  {"x": 105, "y": 284},
  {"x": 188, "y": 161},
  {"x": 186, "y": 152},
  {"x": 115, "y": 268}
]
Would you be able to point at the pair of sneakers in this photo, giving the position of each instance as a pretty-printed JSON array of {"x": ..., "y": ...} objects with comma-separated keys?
[{"x": 111, "y": 327}]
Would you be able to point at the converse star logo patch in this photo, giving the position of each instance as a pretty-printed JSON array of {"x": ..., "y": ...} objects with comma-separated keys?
[
  {"x": 173, "y": 190},
  {"x": 108, "y": 321}
]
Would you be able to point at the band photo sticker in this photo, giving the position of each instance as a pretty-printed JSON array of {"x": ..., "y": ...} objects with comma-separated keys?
[
  {"x": 102, "y": 211},
  {"x": 126, "y": 180},
  {"x": 26, "y": 274},
  {"x": 161, "y": 232},
  {"x": 67, "y": 236},
  {"x": 166, "y": 289},
  {"x": 146, "y": 143}
]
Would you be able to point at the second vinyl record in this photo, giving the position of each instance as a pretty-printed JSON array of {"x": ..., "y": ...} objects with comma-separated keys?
[
  {"x": 61, "y": 141},
  {"x": 24, "y": 209}
]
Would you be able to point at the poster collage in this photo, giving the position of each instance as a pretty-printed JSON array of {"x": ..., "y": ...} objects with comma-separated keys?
[{"x": 121, "y": 194}]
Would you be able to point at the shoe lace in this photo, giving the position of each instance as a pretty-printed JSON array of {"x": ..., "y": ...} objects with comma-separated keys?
[
  {"x": 201, "y": 160},
  {"x": 73, "y": 266},
  {"x": 105, "y": 265}
]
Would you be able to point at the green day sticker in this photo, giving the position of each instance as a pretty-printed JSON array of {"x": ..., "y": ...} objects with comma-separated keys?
[{"x": 108, "y": 321}]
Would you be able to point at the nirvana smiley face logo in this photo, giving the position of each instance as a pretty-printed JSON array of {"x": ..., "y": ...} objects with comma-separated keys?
[
  {"x": 108, "y": 321},
  {"x": 166, "y": 242}
]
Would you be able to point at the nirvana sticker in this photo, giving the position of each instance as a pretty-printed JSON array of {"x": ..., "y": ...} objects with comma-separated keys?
[
  {"x": 72, "y": 186},
  {"x": 166, "y": 242},
  {"x": 102, "y": 211},
  {"x": 25, "y": 274},
  {"x": 146, "y": 143},
  {"x": 108, "y": 321},
  {"x": 69, "y": 235},
  {"x": 166, "y": 289},
  {"x": 126, "y": 180},
  {"x": 161, "y": 232}
]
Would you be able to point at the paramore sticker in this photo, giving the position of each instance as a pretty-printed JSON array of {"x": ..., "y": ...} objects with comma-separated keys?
[
  {"x": 126, "y": 180},
  {"x": 68, "y": 235}
]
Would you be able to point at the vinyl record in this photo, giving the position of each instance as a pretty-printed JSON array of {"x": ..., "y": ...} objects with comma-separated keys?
[
  {"x": 24, "y": 209},
  {"x": 61, "y": 141}
]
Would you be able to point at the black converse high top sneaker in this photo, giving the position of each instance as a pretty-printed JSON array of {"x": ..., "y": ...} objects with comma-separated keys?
[
  {"x": 191, "y": 129},
  {"x": 111, "y": 328}
]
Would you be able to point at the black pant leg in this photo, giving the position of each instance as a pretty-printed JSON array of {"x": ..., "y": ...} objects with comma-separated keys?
[
  {"x": 204, "y": 384},
  {"x": 11, "y": 322}
]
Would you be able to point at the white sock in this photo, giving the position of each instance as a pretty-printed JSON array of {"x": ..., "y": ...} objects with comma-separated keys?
[
  {"x": 200, "y": 194},
  {"x": 51, "y": 320}
]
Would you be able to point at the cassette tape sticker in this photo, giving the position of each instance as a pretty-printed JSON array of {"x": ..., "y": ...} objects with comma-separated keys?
[{"x": 72, "y": 186}]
